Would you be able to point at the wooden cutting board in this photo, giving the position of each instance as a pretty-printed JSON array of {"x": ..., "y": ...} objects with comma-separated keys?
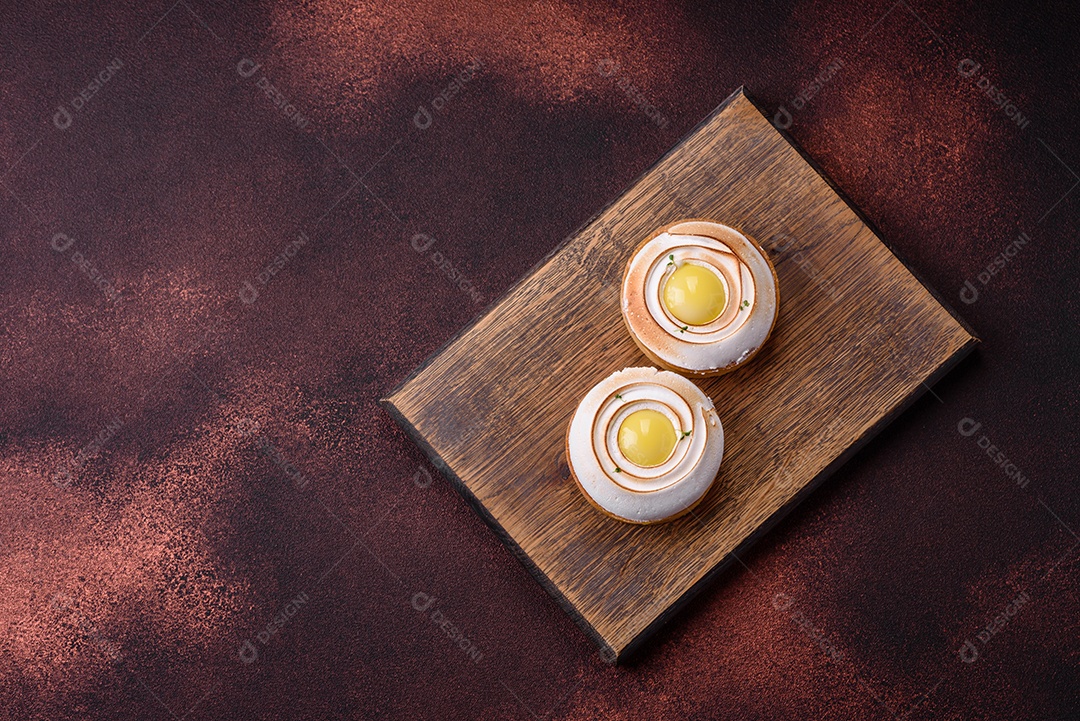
[{"x": 858, "y": 338}]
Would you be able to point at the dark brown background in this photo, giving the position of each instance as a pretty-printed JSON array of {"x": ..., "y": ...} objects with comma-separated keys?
[{"x": 248, "y": 463}]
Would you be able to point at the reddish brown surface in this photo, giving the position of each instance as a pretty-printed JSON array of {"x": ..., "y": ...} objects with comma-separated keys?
[{"x": 129, "y": 589}]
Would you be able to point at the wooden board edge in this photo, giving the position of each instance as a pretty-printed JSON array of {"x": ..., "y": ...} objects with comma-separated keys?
[
  {"x": 608, "y": 653},
  {"x": 862, "y": 217},
  {"x": 632, "y": 648},
  {"x": 739, "y": 91}
]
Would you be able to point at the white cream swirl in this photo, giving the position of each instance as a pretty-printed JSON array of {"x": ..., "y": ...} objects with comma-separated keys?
[
  {"x": 750, "y": 288},
  {"x": 618, "y": 486}
]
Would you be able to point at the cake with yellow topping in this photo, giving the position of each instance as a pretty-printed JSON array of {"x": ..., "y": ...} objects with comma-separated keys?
[
  {"x": 644, "y": 445},
  {"x": 700, "y": 298}
]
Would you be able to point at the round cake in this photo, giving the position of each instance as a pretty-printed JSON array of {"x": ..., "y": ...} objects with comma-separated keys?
[
  {"x": 644, "y": 445},
  {"x": 700, "y": 298}
]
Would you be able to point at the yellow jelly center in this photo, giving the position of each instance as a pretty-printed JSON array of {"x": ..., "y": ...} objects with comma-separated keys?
[
  {"x": 647, "y": 438},
  {"x": 694, "y": 294}
]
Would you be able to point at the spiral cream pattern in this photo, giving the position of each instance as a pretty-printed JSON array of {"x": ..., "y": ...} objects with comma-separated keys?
[
  {"x": 750, "y": 287},
  {"x": 618, "y": 486}
]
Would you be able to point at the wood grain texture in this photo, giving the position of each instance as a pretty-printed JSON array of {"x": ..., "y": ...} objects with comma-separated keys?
[{"x": 857, "y": 339}]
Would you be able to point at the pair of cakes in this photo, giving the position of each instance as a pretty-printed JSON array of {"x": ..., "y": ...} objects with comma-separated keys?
[{"x": 699, "y": 299}]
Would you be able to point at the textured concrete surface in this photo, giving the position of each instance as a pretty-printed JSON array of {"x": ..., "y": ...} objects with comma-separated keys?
[{"x": 208, "y": 282}]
